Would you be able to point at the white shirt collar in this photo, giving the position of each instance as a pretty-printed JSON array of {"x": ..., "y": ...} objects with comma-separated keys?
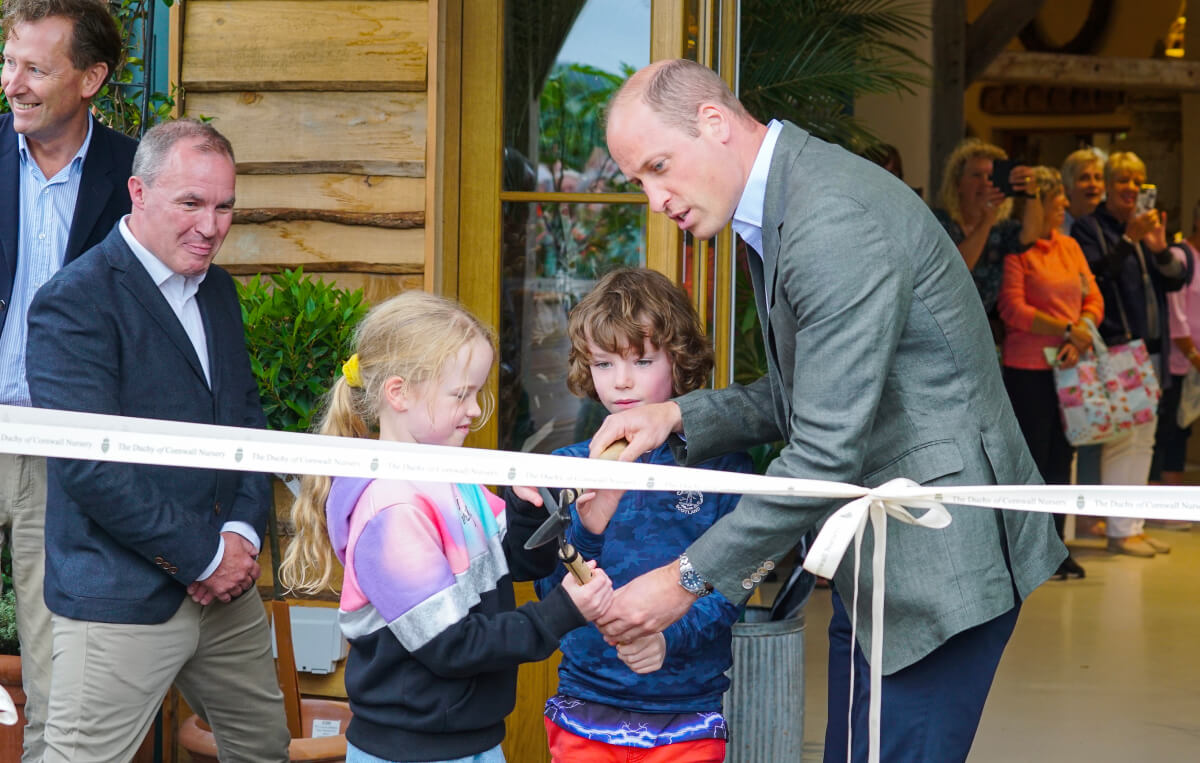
[
  {"x": 159, "y": 272},
  {"x": 747, "y": 218}
]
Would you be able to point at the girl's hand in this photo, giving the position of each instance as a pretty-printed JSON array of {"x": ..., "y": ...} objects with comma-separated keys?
[
  {"x": 644, "y": 655},
  {"x": 592, "y": 599},
  {"x": 1068, "y": 355},
  {"x": 596, "y": 508}
]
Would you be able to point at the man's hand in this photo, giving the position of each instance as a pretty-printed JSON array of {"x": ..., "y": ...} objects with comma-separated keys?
[
  {"x": 644, "y": 655},
  {"x": 645, "y": 605},
  {"x": 234, "y": 575},
  {"x": 645, "y": 428}
]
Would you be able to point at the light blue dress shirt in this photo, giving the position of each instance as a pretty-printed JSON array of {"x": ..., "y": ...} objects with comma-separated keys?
[{"x": 47, "y": 207}]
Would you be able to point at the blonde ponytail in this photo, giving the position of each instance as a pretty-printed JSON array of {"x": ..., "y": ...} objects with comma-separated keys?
[{"x": 310, "y": 564}]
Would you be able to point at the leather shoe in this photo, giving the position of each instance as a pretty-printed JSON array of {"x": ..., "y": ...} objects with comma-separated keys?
[
  {"x": 1158, "y": 546},
  {"x": 1132, "y": 546},
  {"x": 1069, "y": 568}
]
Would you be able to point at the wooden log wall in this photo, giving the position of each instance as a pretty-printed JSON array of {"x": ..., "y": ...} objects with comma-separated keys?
[{"x": 326, "y": 104}]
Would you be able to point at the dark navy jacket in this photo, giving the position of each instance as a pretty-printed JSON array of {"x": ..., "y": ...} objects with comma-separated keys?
[{"x": 123, "y": 541}]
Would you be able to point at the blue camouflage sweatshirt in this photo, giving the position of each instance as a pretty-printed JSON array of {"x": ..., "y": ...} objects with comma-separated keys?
[{"x": 648, "y": 530}]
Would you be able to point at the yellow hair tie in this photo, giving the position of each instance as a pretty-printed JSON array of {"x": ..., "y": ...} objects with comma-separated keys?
[{"x": 351, "y": 372}]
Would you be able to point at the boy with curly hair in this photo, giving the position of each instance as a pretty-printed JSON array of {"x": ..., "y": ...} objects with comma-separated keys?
[{"x": 636, "y": 340}]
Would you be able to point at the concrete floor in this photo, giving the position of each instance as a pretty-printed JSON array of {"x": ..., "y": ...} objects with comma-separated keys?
[{"x": 1101, "y": 669}]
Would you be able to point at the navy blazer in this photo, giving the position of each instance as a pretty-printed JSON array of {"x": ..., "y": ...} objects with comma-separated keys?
[
  {"x": 123, "y": 541},
  {"x": 103, "y": 197}
]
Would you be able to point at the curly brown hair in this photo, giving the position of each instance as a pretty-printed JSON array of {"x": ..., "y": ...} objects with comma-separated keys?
[{"x": 627, "y": 307}]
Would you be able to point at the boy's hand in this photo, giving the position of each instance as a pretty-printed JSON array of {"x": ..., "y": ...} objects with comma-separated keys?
[
  {"x": 596, "y": 508},
  {"x": 645, "y": 655},
  {"x": 593, "y": 598}
]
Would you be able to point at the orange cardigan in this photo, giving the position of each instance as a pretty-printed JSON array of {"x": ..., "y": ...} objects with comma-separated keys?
[{"x": 1053, "y": 277}]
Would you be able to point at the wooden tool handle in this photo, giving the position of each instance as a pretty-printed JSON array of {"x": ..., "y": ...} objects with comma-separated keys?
[
  {"x": 575, "y": 563},
  {"x": 613, "y": 452}
]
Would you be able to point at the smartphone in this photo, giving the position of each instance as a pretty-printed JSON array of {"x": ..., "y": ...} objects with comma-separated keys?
[
  {"x": 1147, "y": 198},
  {"x": 1001, "y": 169}
]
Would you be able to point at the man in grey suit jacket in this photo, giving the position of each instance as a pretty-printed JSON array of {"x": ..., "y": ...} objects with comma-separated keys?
[
  {"x": 150, "y": 569},
  {"x": 880, "y": 365},
  {"x": 63, "y": 176}
]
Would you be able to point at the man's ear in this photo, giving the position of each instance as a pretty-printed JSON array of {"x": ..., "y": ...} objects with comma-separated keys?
[
  {"x": 137, "y": 192},
  {"x": 94, "y": 78},
  {"x": 713, "y": 120},
  {"x": 396, "y": 394}
]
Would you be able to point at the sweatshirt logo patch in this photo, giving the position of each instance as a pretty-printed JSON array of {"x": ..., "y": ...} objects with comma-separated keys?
[{"x": 689, "y": 501}]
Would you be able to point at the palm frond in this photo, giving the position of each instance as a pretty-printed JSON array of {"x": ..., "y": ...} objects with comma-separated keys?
[{"x": 807, "y": 60}]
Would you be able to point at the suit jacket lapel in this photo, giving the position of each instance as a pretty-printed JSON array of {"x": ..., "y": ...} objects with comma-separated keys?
[
  {"x": 9, "y": 200},
  {"x": 95, "y": 187},
  {"x": 139, "y": 284}
]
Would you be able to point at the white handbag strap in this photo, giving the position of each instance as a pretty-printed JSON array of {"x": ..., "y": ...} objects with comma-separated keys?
[{"x": 1098, "y": 344}]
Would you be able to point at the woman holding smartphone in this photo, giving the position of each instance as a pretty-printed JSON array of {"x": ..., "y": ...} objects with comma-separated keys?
[
  {"x": 1047, "y": 294},
  {"x": 1127, "y": 251},
  {"x": 975, "y": 212}
]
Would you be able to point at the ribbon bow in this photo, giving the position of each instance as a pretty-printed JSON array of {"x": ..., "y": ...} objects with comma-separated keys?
[{"x": 893, "y": 499}]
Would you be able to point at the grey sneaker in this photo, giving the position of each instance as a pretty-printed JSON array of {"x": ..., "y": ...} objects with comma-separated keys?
[{"x": 1132, "y": 546}]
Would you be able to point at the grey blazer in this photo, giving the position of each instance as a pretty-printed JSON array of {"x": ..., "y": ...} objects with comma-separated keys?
[{"x": 880, "y": 365}]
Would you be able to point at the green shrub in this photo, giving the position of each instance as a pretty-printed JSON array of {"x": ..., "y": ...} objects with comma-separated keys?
[
  {"x": 8, "y": 623},
  {"x": 298, "y": 333}
]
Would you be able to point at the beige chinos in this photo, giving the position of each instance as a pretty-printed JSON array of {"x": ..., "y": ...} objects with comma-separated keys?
[
  {"x": 23, "y": 516},
  {"x": 109, "y": 680}
]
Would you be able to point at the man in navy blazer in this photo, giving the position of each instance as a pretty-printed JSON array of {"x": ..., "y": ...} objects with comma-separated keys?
[
  {"x": 63, "y": 175},
  {"x": 150, "y": 569}
]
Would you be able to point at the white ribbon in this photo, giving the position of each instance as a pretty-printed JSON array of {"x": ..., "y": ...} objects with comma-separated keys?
[
  {"x": 823, "y": 559},
  {"x": 98, "y": 437}
]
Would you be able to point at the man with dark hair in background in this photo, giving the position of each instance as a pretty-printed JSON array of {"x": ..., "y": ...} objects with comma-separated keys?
[{"x": 64, "y": 177}]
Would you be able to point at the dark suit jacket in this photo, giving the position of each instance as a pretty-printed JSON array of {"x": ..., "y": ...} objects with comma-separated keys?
[
  {"x": 880, "y": 365},
  {"x": 103, "y": 197},
  {"x": 124, "y": 540}
]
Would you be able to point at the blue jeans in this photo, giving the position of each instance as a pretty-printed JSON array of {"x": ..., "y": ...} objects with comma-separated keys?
[{"x": 494, "y": 755}]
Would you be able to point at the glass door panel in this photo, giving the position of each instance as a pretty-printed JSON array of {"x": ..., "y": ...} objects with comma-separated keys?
[{"x": 568, "y": 216}]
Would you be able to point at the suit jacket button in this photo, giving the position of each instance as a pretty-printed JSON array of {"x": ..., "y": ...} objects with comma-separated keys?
[
  {"x": 768, "y": 565},
  {"x": 158, "y": 560},
  {"x": 747, "y": 584},
  {"x": 172, "y": 569},
  {"x": 217, "y": 507},
  {"x": 756, "y": 578},
  {"x": 3, "y": 304}
]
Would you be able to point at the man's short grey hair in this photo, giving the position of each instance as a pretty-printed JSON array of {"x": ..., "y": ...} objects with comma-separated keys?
[
  {"x": 674, "y": 90},
  {"x": 156, "y": 145}
]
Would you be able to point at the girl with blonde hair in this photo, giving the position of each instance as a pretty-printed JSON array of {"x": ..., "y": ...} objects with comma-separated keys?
[{"x": 427, "y": 600}]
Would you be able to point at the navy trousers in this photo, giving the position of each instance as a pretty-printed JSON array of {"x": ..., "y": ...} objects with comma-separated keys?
[{"x": 930, "y": 709}]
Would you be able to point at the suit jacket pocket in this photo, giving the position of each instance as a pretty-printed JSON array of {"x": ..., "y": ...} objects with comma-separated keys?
[{"x": 922, "y": 464}]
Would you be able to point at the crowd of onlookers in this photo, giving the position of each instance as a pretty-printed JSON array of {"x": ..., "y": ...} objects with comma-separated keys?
[{"x": 1060, "y": 257}]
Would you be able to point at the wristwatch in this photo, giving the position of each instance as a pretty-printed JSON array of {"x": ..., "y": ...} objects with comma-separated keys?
[{"x": 691, "y": 580}]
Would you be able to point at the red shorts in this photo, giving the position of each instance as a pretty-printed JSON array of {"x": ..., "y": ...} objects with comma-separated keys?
[{"x": 566, "y": 747}]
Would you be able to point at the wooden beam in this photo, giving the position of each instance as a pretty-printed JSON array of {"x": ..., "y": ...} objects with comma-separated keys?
[
  {"x": 396, "y": 220},
  {"x": 300, "y": 45},
  {"x": 375, "y": 133},
  {"x": 1095, "y": 71},
  {"x": 992, "y": 30},
  {"x": 949, "y": 23},
  {"x": 341, "y": 193},
  {"x": 310, "y": 241}
]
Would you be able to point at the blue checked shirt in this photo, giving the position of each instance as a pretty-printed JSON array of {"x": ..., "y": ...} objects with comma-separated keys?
[{"x": 47, "y": 208}]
